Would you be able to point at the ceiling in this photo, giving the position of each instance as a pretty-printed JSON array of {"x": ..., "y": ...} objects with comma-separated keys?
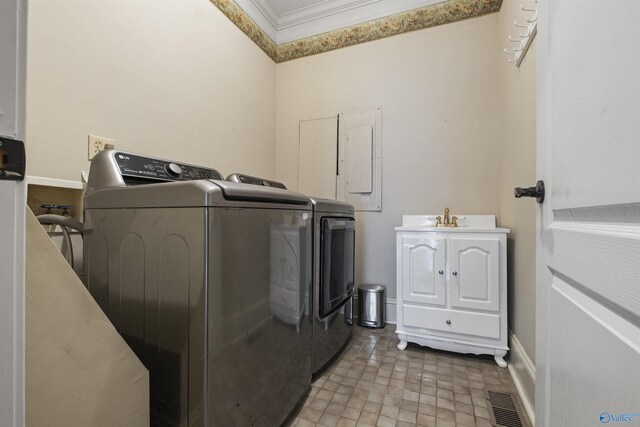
[{"x": 288, "y": 20}]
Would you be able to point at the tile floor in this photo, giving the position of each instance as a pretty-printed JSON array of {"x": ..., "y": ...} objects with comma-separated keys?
[{"x": 373, "y": 383}]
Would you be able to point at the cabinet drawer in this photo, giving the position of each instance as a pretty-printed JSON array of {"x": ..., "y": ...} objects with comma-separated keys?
[{"x": 459, "y": 322}]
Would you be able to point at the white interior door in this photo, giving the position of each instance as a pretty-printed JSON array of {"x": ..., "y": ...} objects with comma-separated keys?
[
  {"x": 588, "y": 300},
  {"x": 13, "y": 35},
  {"x": 318, "y": 157}
]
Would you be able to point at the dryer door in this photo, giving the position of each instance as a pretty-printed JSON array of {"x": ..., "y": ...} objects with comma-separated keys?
[{"x": 337, "y": 249}]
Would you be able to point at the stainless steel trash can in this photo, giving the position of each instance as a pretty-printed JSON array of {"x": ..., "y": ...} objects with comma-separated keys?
[{"x": 371, "y": 306}]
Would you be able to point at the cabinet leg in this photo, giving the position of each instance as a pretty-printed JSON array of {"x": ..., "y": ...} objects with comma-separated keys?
[
  {"x": 499, "y": 358},
  {"x": 403, "y": 342}
]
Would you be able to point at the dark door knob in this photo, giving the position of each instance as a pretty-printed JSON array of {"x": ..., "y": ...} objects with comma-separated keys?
[{"x": 537, "y": 192}]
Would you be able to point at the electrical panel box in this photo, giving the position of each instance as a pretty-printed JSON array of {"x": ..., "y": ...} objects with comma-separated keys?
[{"x": 359, "y": 180}]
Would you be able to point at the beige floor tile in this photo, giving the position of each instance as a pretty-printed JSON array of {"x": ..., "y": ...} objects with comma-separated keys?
[
  {"x": 334, "y": 408},
  {"x": 372, "y": 383},
  {"x": 376, "y": 397},
  {"x": 427, "y": 409},
  {"x": 464, "y": 408},
  {"x": 481, "y": 412},
  {"x": 465, "y": 419},
  {"x": 408, "y": 416},
  {"x": 340, "y": 398},
  {"x": 304, "y": 423},
  {"x": 324, "y": 394},
  {"x": 368, "y": 418},
  {"x": 482, "y": 422},
  {"x": 445, "y": 403},
  {"x": 346, "y": 422},
  {"x": 320, "y": 404},
  {"x": 386, "y": 422},
  {"x": 408, "y": 405},
  {"x": 390, "y": 411},
  {"x": 445, "y": 394},
  {"x": 351, "y": 413},
  {"x": 426, "y": 420},
  {"x": 356, "y": 402},
  {"x": 358, "y": 392},
  {"x": 444, "y": 423},
  {"x": 328, "y": 420},
  {"x": 311, "y": 414},
  {"x": 371, "y": 406},
  {"x": 392, "y": 400},
  {"x": 462, "y": 398}
]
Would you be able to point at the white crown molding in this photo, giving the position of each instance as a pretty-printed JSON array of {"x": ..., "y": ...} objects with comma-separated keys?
[
  {"x": 264, "y": 6},
  {"x": 318, "y": 10},
  {"x": 325, "y": 16},
  {"x": 259, "y": 17}
]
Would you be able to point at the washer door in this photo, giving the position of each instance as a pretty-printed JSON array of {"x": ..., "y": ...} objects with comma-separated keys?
[{"x": 337, "y": 249}]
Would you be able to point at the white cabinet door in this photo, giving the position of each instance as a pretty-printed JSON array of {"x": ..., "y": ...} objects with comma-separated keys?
[
  {"x": 423, "y": 270},
  {"x": 475, "y": 273}
]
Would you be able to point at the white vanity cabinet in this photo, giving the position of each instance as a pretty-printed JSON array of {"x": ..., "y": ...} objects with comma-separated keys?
[{"x": 452, "y": 285}]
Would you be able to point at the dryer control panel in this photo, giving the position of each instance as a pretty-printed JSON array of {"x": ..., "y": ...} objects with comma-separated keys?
[
  {"x": 137, "y": 167},
  {"x": 248, "y": 179}
]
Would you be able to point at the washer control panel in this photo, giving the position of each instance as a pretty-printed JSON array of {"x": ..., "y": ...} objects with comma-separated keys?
[{"x": 134, "y": 166}]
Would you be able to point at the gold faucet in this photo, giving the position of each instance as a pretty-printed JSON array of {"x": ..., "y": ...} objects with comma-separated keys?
[{"x": 447, "y": 222}]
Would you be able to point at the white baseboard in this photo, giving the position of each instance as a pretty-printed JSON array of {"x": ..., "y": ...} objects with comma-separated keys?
[
  {"x": 523, "y": 372},
  {"x": 390, "y": 311}
]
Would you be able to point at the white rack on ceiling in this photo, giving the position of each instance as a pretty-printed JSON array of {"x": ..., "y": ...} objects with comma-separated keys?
[{"x": 527, "y": 30}]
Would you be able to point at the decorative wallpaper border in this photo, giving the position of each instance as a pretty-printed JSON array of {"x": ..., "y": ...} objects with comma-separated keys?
[
  {"x": 417, "y": 19},
  {"x": 238, "y": 16}
]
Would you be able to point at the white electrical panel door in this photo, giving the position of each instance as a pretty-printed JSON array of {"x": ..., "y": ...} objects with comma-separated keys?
[
  {"x": 359, "y": 180},
  {"x": 360, "y": 160},
  {"x": 318, "y": 157}
]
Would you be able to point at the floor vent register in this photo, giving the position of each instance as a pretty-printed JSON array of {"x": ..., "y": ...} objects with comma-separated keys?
[{"x": 503, "y": 411}]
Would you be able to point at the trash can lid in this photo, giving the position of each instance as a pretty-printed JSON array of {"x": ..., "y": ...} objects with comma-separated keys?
[{"x": 371, "y": 288}]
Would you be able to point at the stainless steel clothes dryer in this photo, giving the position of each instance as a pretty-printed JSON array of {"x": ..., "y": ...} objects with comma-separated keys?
[
  {"x": 207, "y": 282},
  {"x": 333, "y": 273},
  {"x": 333, "y": 278}
]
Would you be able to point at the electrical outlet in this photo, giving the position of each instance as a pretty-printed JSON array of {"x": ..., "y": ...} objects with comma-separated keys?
[{"x": 97, "y": 144}]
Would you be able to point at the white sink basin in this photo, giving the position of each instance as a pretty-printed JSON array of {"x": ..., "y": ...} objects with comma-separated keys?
[{"x": 466, "y": 223}]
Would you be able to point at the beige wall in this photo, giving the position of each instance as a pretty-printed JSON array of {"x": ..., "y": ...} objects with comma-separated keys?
[
  {"x": 518, "y": 135},
  {"x": 518, "y": 110},
  {"x": 439, "y": 92},
  {"x": 174, "y": 79}
]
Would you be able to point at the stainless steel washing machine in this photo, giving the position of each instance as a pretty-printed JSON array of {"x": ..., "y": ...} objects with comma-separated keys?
[
  {"x": 207, "y": 282},
  {"x": 333, "y": 272}
]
